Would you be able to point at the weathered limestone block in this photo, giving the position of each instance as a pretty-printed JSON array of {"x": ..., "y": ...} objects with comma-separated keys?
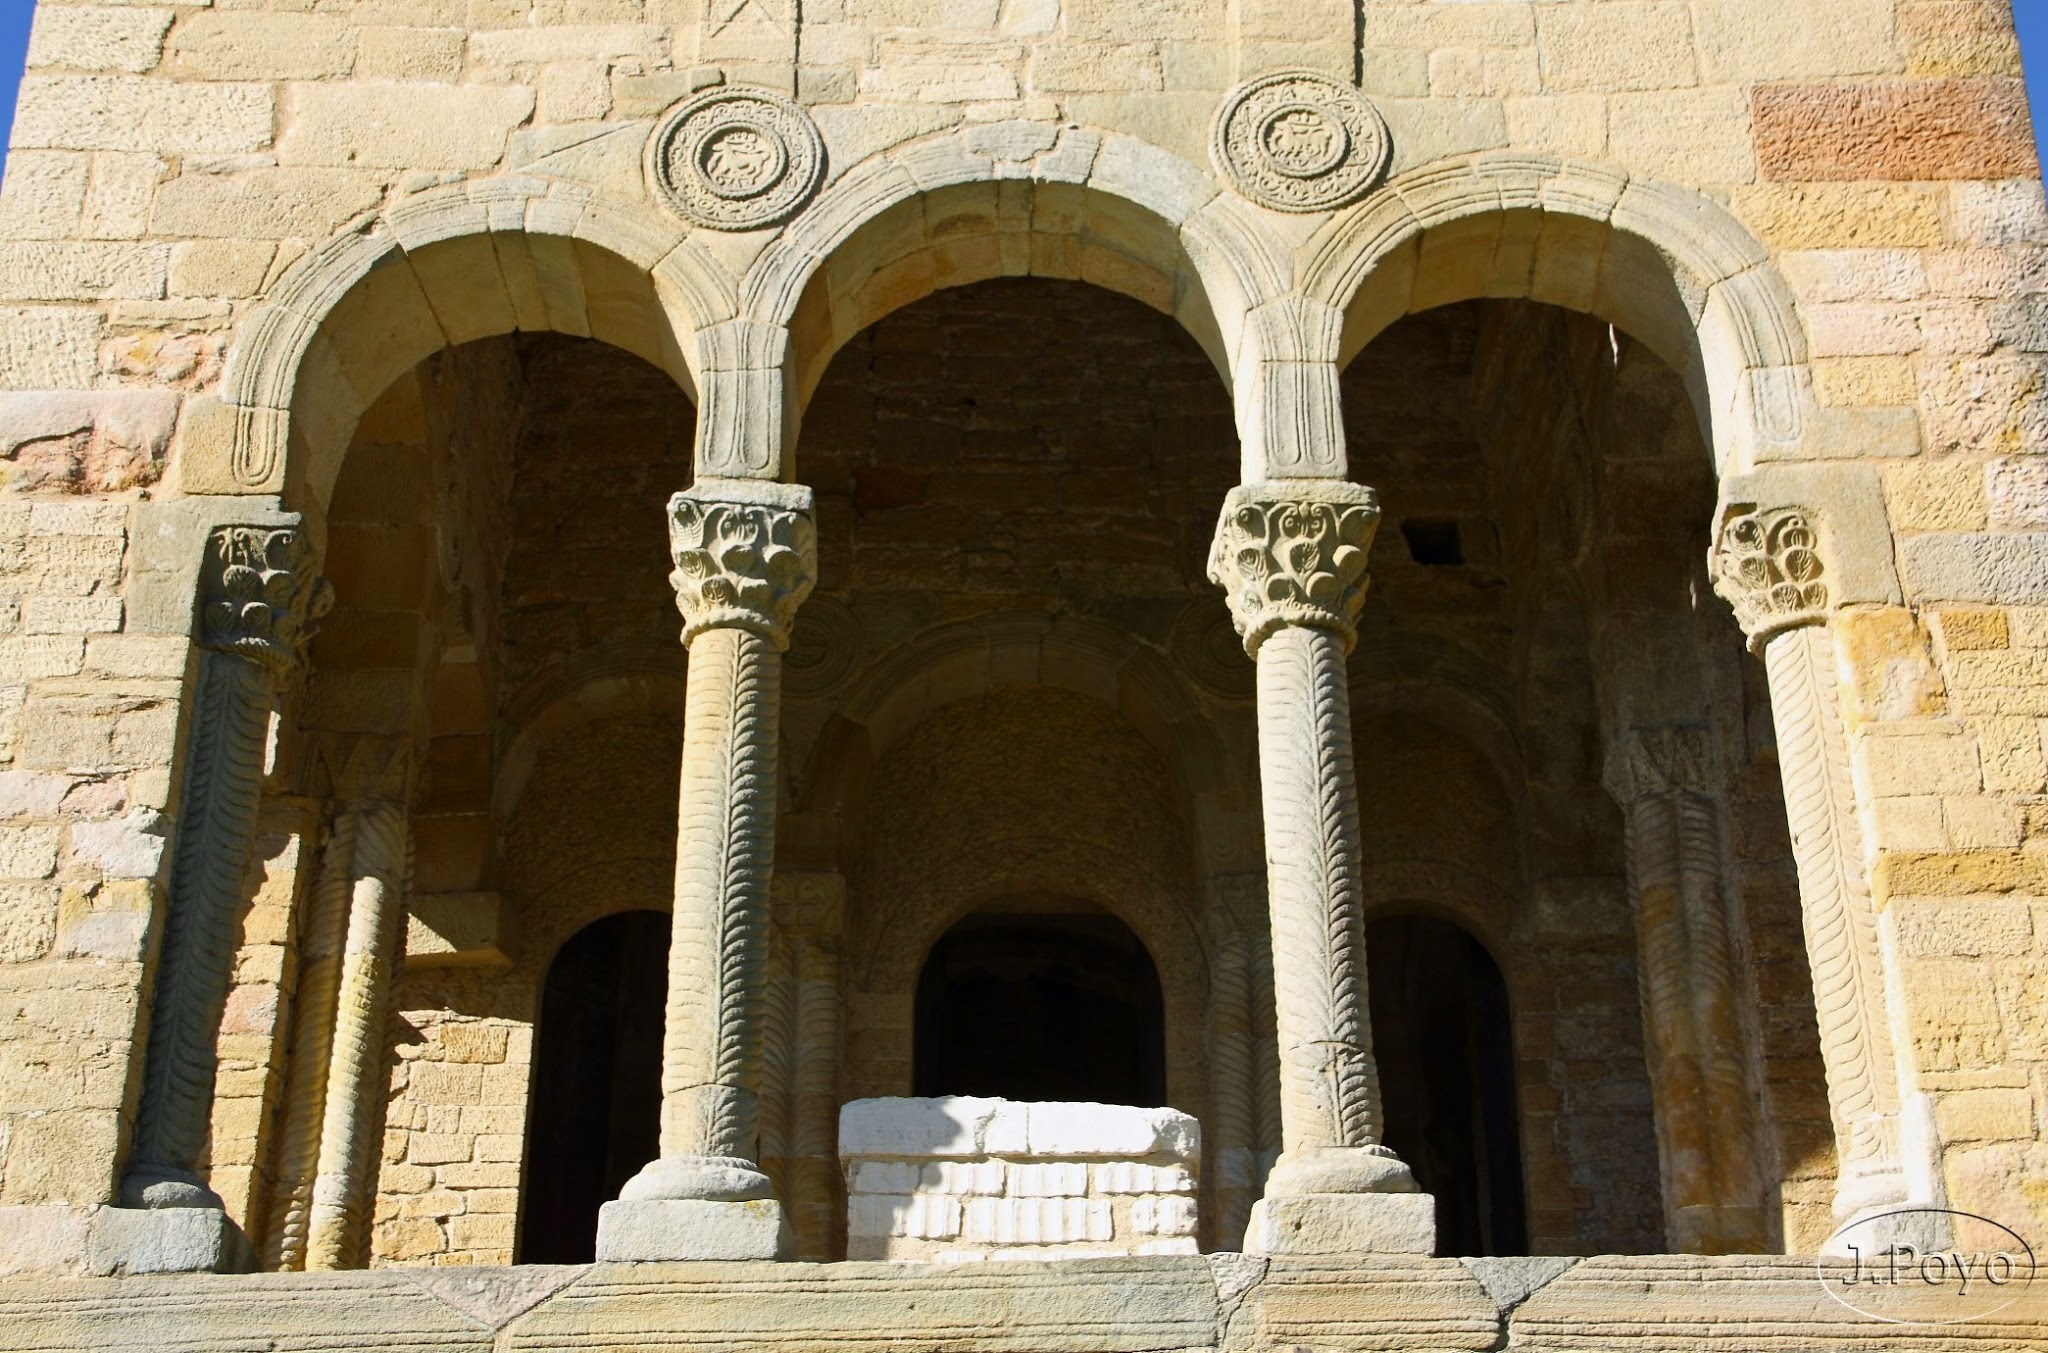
[{"x": 958, "y": 1179}]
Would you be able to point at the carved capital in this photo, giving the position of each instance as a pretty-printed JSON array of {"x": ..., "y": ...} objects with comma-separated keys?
[
  {"x": 1657, "y": 762},
  {"x": 1294, "y": 554},
  {"x": 259, "y": 595},
  {"x": 1767, "y": 565},
  {"x": 746, "y": 556}
]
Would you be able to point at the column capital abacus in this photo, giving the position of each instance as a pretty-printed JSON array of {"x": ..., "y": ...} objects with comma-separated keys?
[
  {"x": 1294, "y": 554},
  {"x": 1767, "y": 565},
  {"x": 746, "y": 556},
  {"x": 260, "y": 595}
]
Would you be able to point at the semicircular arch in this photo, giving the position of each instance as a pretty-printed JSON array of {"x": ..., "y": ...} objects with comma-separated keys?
[
  {"x": 444, "y": 267},
  {"x": 1015, "y": 199},
  {"x": 1666, "y": 265}
]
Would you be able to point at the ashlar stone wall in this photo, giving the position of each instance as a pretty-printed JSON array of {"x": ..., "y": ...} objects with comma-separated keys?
[{"x": 226, "y": 229}]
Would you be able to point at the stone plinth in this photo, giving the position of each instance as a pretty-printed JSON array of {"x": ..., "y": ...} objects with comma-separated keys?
[{"x": 959, "y": 1180}]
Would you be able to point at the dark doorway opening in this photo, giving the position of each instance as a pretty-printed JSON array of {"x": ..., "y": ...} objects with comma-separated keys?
[
  {"x": 596, "y": 1115},
  {"x": 1037, "y": 1006},
  {"x": 1445, "y": 1047}
]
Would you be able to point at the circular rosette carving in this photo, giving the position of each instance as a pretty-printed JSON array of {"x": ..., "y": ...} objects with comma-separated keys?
[
  {"x": 735, "y": 159},
  {"x": 1300, "y": 141}
]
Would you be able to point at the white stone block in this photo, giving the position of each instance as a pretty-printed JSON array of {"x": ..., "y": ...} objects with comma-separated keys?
[
  {"x": 962, "y": 1177},
  {"x": 885, "y": 1176},
  {"x": 1167, "y": 1216},
  {"x": 1038, "y": 1221},
  {"x": 1062, "y": 1179},
  {"x": 1125, "y": 1176},
  {"x": 672, "y": 1229},
  {"x": 951, "y": 1125},
  {"x": 1179, "y": 1245},
  {"x": 1343, "y": 1223},
  {"x": 921, "y": 1216},
  {"x": 1112, "y": 1130}
]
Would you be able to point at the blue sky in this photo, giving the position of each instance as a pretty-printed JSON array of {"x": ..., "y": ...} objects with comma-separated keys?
[{"x": 2031, "y": 14}]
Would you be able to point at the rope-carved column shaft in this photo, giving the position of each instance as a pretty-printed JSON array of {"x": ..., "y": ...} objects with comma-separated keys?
[
  {"x": 258, "y": 593},
  {"x": 1291, "y": 559},
  {"x": 338, "y": 1225},
  {"x": 1768, "y": 565},
  {"x": 745, "y": 557},
  {"x": 1706, "y": 1132},
  {"x": 326, "y": 933},
  {"x": 808, "y": 910},
  {"x": 1233, "y": 1106},
  {"x": 711, "y": 1049},
  {"x": 1329, "y": 1085}
]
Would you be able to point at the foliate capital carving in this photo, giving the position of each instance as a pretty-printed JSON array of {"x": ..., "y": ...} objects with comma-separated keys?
[
  {"x": 736, "y": 158},
  {"x": 1297, "y": 140},
  {"x": 1659, "y": 762},
  {"x": 1294, "y": 554},
  {"x": 746, "y": 556},
  {"x": 259, "y": 595},
  {"x": 1767, "y": 565}
]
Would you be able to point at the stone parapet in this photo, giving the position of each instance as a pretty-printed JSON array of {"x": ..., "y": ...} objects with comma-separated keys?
[{"x": 962, "y": 1180}]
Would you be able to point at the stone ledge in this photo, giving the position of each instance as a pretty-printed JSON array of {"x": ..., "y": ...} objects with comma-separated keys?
[{"x": 1227, "y": 1303}]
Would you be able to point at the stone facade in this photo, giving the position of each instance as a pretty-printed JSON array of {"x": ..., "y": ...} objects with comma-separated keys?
[{"x": 1211, "y": 479}]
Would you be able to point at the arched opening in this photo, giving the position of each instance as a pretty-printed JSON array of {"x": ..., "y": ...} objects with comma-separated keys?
[
  {"x": 595, "y": 1114},
  {"x": 1445, "y": 1045},
  {"x": 1041, "y": 1005}
]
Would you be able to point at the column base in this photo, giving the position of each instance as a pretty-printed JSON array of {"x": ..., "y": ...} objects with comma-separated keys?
[
  {"x": 1343, "y": 1223},
  {"x": 646, "y": 1231},
  {"x": 129, "y": 1241}
]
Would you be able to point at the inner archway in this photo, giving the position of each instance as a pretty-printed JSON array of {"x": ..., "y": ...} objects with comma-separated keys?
[
  {"x": 1445, "y": 1047},
  {"x": 1045, "y": 1004},
  {"x": 596, "y": 1103}
]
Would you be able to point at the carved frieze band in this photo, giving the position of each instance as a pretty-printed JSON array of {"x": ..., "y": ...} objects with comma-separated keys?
[
  {"x": 1297, "y": 140},
  {"x": 742, "y": 562},
  {"x": 1767, "y": 564},
  {"x": 1294, "y": 555},
  {"x": 735, "y": 158}
]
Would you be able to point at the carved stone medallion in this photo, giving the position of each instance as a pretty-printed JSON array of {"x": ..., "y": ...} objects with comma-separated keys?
[
  {"x": 1298, "y": 141},
  {"x": 735, "y": 159}
]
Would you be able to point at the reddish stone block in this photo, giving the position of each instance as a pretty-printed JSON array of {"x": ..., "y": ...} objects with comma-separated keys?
[{"x": 1894, "y": 130}]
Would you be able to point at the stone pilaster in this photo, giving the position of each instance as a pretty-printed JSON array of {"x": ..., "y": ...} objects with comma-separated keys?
[
  {"x": 258, "y": 595},
  {"x": 745, "y": 557},
  {"x": 1292, "y": 562},
  {"x": 1768, "y": 564},
  {"x": 1706, "y": 1132}
]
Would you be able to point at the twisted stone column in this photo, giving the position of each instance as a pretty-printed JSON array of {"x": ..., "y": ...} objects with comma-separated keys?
[
  {"x": 745, "y": 557},
  {"x": 1706, "y": 1132},
  {"x": 1291, "y": 559},
  {"x": 352, "y": 1115},
  {"x": 348, "y": 951},
  {"x": 257, "y": 595},
  {"x": 1768, "y": 565}
]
